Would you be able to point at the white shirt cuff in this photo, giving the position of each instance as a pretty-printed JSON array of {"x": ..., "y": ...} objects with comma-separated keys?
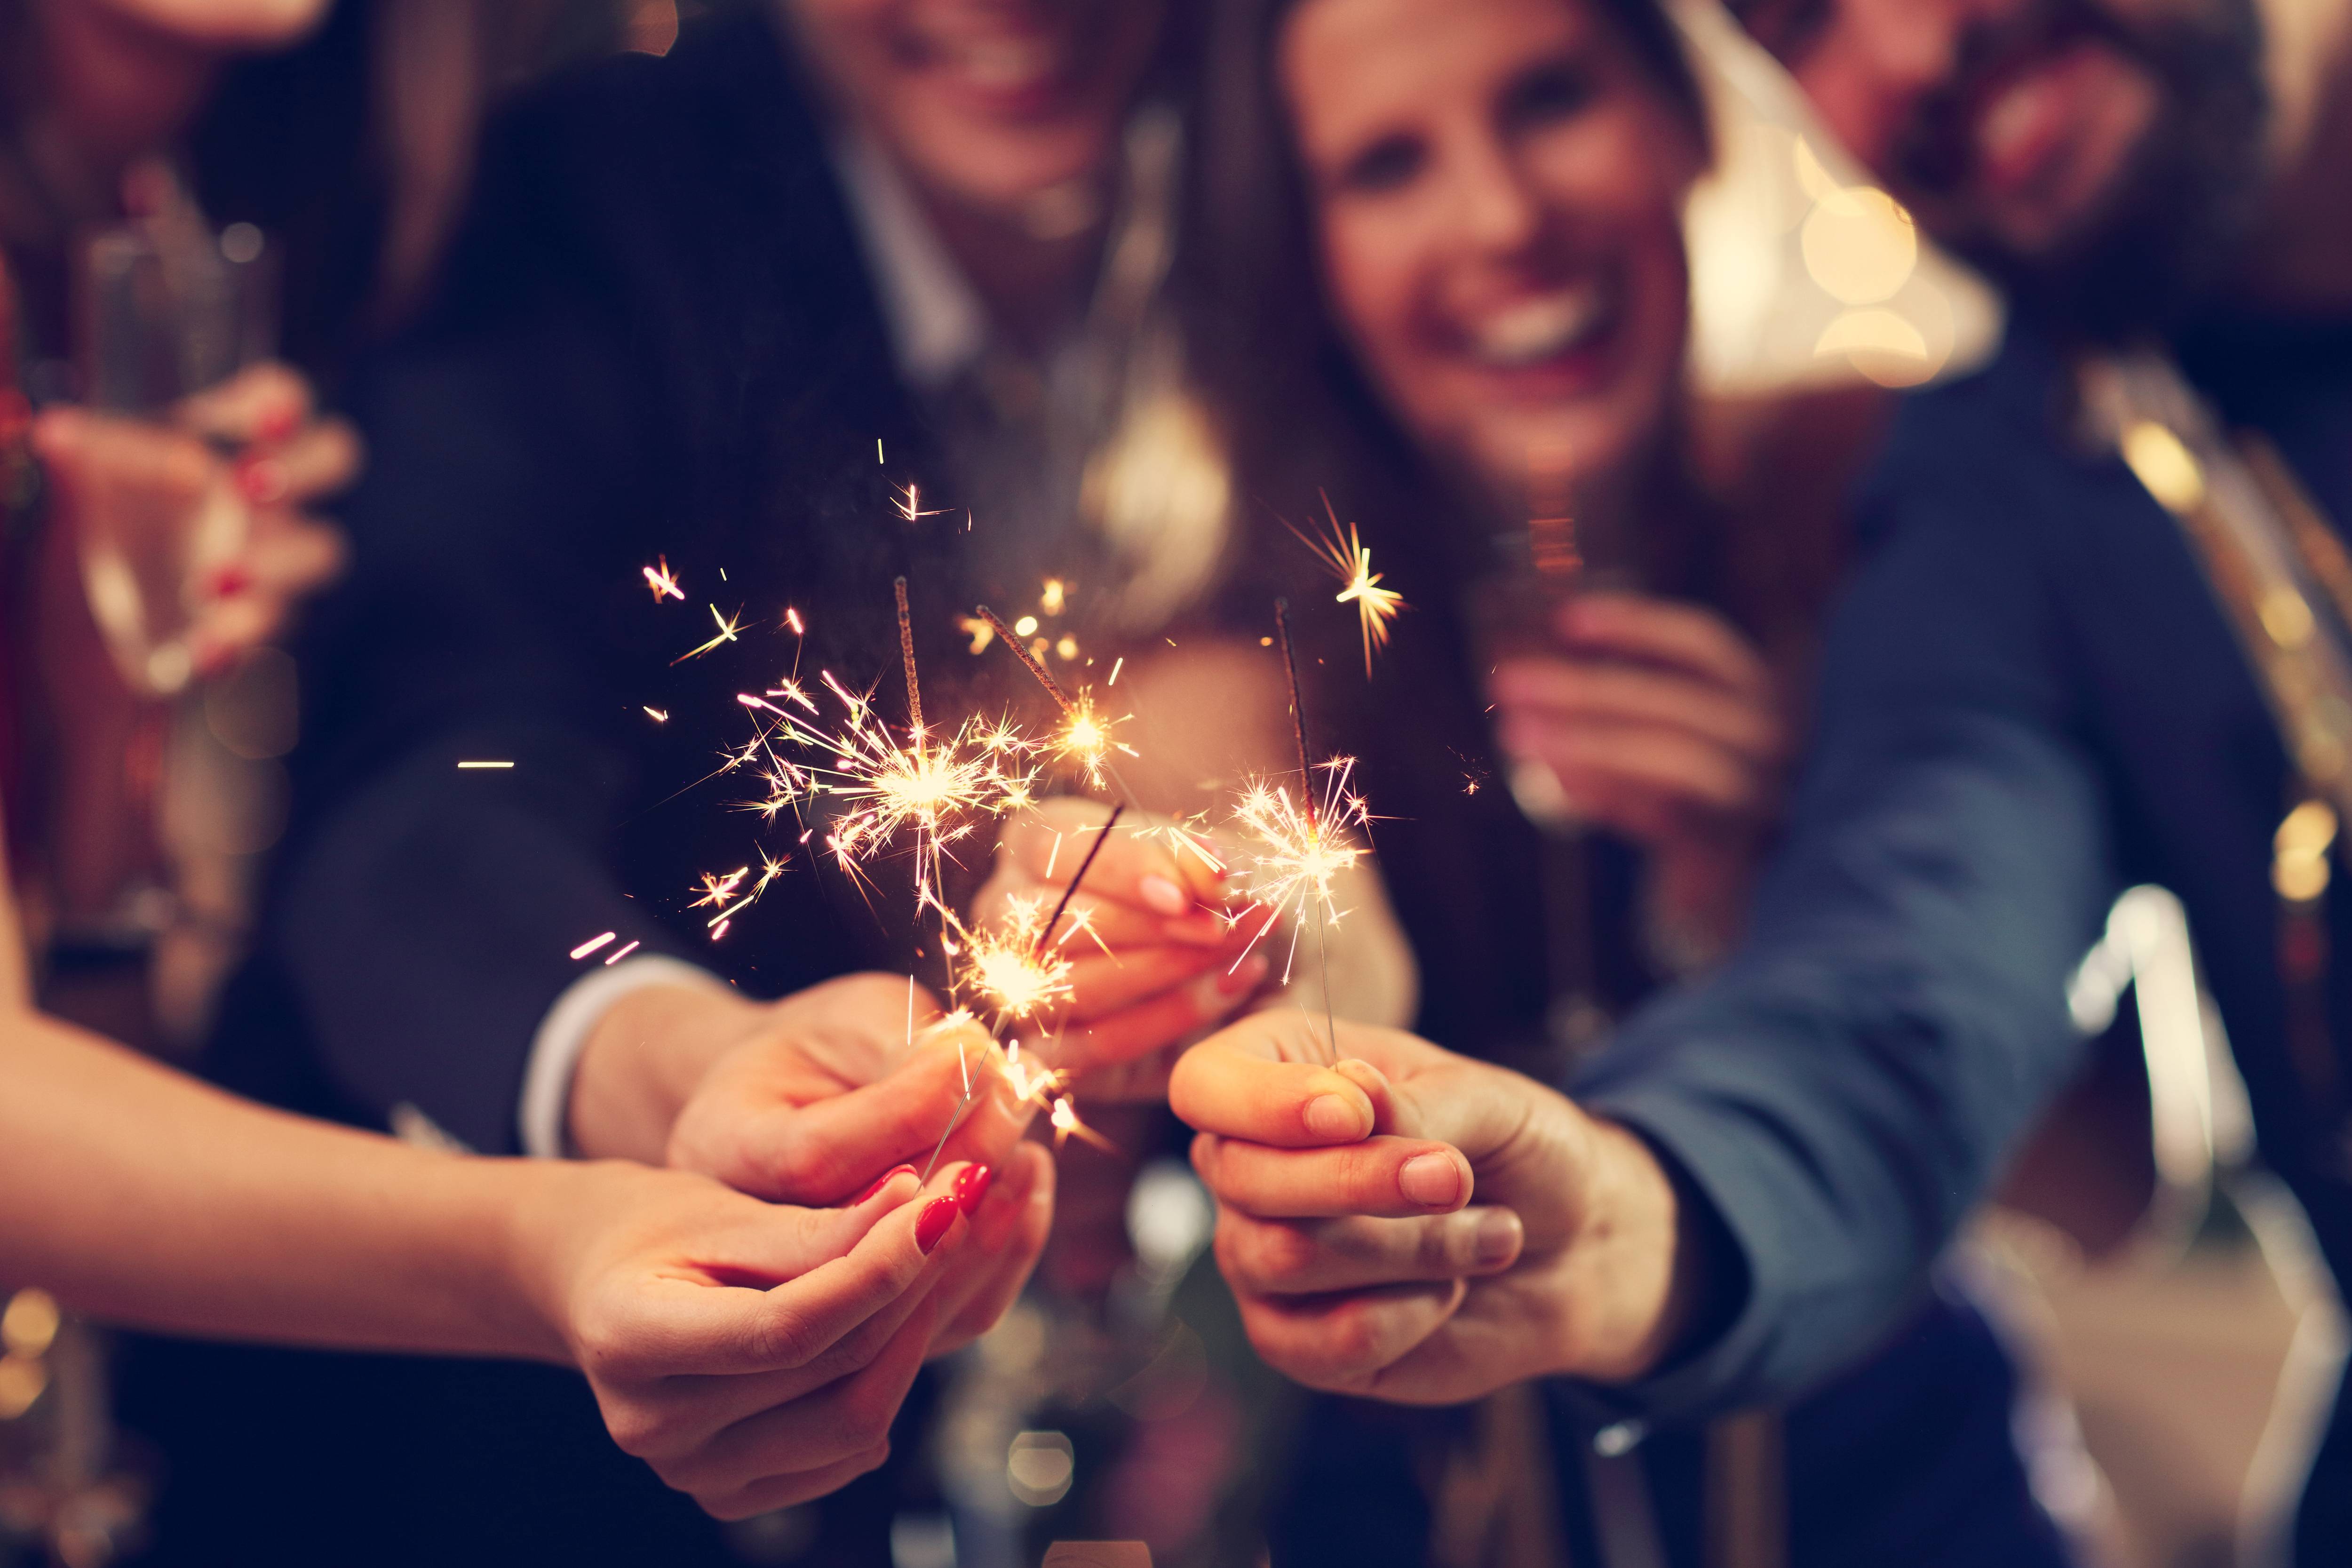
[{"x": 563, "y": 1034}]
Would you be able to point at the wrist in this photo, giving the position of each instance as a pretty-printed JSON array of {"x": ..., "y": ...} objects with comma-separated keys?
[
  {"x": 1640, "y": 1267},
  {"x": 644, "y": 1058}
]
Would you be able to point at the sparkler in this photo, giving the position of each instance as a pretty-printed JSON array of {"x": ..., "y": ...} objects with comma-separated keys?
[
  {"x": 1301, "y": 847},
  {"x": 1021, "y": 967},
  {"x": 1085, "y": 739},
  {"x": 1343, "y": 554},
  {"x": 662, "y": 583}
]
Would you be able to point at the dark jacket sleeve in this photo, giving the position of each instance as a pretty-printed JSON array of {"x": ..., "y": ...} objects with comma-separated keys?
[
  {"x": 425, "y": 914},
  {"x": 1844, "y": 1090}
]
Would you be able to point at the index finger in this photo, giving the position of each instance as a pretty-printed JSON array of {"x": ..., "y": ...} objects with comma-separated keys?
[
  {"x": 730, "y": 1330},
  {"x": 1664, "y": 632},
  {"x": 265, "y": 401},
  {"x": 1248, "y": 1082}
]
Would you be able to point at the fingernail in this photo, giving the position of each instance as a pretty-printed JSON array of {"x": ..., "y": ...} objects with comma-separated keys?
[
  {"x": 227, "y": 581},
  {"x": 1163, "y": 896},
  {"x": 261, "y": 480},
  {"x": 933, "y": 1222},
  {"x": 1432, "y": 1181},
  {"x": 884, "y": 1180},
  {"x": 972, "y": 1186},
  {"x": 277, "y": 424},
  {"x": 1339, "y": 1120},
  {"x": 1244, "y": 976},
  {"x": 1498, "y": 1238}
]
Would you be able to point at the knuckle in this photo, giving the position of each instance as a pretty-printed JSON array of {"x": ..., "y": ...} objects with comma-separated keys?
[
  {"x": 639, "y": 1430},
  {"x": 865, "y": 1415},
  {"x": 1280, "y": 1254},
  {"x": 786, "y": 1342}
]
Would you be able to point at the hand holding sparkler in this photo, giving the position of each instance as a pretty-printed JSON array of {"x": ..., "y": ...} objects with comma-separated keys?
[
  {"x": 1343, "y": 1229},
  {"x": 810, "y": 1098},
  {"x": 1154, "y": 943},
  {"x": 753, "y": 1355}
]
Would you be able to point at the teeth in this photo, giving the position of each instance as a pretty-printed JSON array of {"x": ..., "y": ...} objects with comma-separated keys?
[
  {"x": 1011, "y": 64},
  {"x": 1539, "y": 329}
]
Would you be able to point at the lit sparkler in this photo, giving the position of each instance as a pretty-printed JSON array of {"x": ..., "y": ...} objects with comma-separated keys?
[
  {"x": 664, "y": 584},
  {"x": 1300, "y": 847},
  {"x": 1342, "y": 551}
]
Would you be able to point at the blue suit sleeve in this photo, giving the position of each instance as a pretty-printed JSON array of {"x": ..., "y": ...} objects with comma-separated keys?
[{"x": 1844, "y": 1090}]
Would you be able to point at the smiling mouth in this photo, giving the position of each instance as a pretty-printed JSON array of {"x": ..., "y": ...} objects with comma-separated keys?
[{"x": 1544, "y": 328}]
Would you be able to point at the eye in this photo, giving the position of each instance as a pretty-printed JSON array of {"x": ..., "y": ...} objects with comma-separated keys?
[
  {"x": 1386, "y": 165},
  {"x": 1546, "y": 95}
]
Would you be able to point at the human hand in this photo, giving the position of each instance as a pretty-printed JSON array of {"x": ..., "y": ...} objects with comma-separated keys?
[
  {"x": 808, "y": 1099},
  {"x": 1662, "y": 722},
  {"x": 755, "y": 1356},
  {"x": 1346, "y": 1228},
  {"x": 110, "y": 470},
  {"x": 1177, "y": 940}
]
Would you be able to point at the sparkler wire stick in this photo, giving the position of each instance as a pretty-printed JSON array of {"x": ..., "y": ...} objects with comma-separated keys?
[
  {"x": 907, "y": 657},
  {"x": 971, "y": 1090},
  {"x": 1047, "y": 930},
  {"x": 1307, "y": 798}
]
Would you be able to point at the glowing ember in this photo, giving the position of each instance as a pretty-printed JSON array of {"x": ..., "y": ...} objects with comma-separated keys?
[
  {"x": 1343, "y": 552},
  {"x": 1298, "y": 849},
  {"x": 729, "y": 627},
  {"x": 662, "y": 583}
]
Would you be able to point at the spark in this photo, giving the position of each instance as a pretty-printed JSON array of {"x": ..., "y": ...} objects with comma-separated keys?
[
  {"x": 729, "y": 628},
  {"x": 621, "y": 953},
  {"x": 793, "y": 619},
  {"x": 591, "y": 945},
  {"x": 1067, "y": 1125},
  {"x": 1115, "y": 666},
  {"x": 464, "y": 766},
  {"x": 659, "y": 715},
  {"x": 909, "y": 503},
  {"x": 1009, "y": 965},
  {"x": 662, "y": 583},
  {"x": 1342, "y": 551},
  {"x": 1298, "y": 848},
  {"x": 1056, "y": 594},
  {"x": 1085, "y": 739}
]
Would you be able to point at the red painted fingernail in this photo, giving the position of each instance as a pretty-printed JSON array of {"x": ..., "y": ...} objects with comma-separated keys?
[
  {"x": 933, "y": 1222},
  {"x": 884, "y": 1180},
  {"x": 228, "y": 581},
  {"x": 261, "y": 480},
  {"x": 972, "y": 1186}
]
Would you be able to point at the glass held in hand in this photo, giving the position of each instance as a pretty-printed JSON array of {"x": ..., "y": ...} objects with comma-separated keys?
[{"x": 166, "y": 308}]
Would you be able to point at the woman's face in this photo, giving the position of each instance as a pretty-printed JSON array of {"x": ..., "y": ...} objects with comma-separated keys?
[
  {"x": 1498, "y": 190},
  {"x": 988, "y": 102}
]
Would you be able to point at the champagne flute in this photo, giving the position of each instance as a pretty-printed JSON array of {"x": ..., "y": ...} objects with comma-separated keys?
[{"x": 166, "y": 306}]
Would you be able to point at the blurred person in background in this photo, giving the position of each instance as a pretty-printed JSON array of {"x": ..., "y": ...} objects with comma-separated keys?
[
  {"x": 1442, "y": 272},
  {"x": 831, "y": 293},
  {"x": 2100, "y": 639}
]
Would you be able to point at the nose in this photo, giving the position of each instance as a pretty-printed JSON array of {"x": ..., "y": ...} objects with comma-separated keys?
[{"x": 1496, "y": 209}]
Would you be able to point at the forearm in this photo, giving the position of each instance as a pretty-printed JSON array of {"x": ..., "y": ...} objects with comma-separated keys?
[
  {"x": 140, "y": 1196},
  {"x": 642, "y": 1061}
]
